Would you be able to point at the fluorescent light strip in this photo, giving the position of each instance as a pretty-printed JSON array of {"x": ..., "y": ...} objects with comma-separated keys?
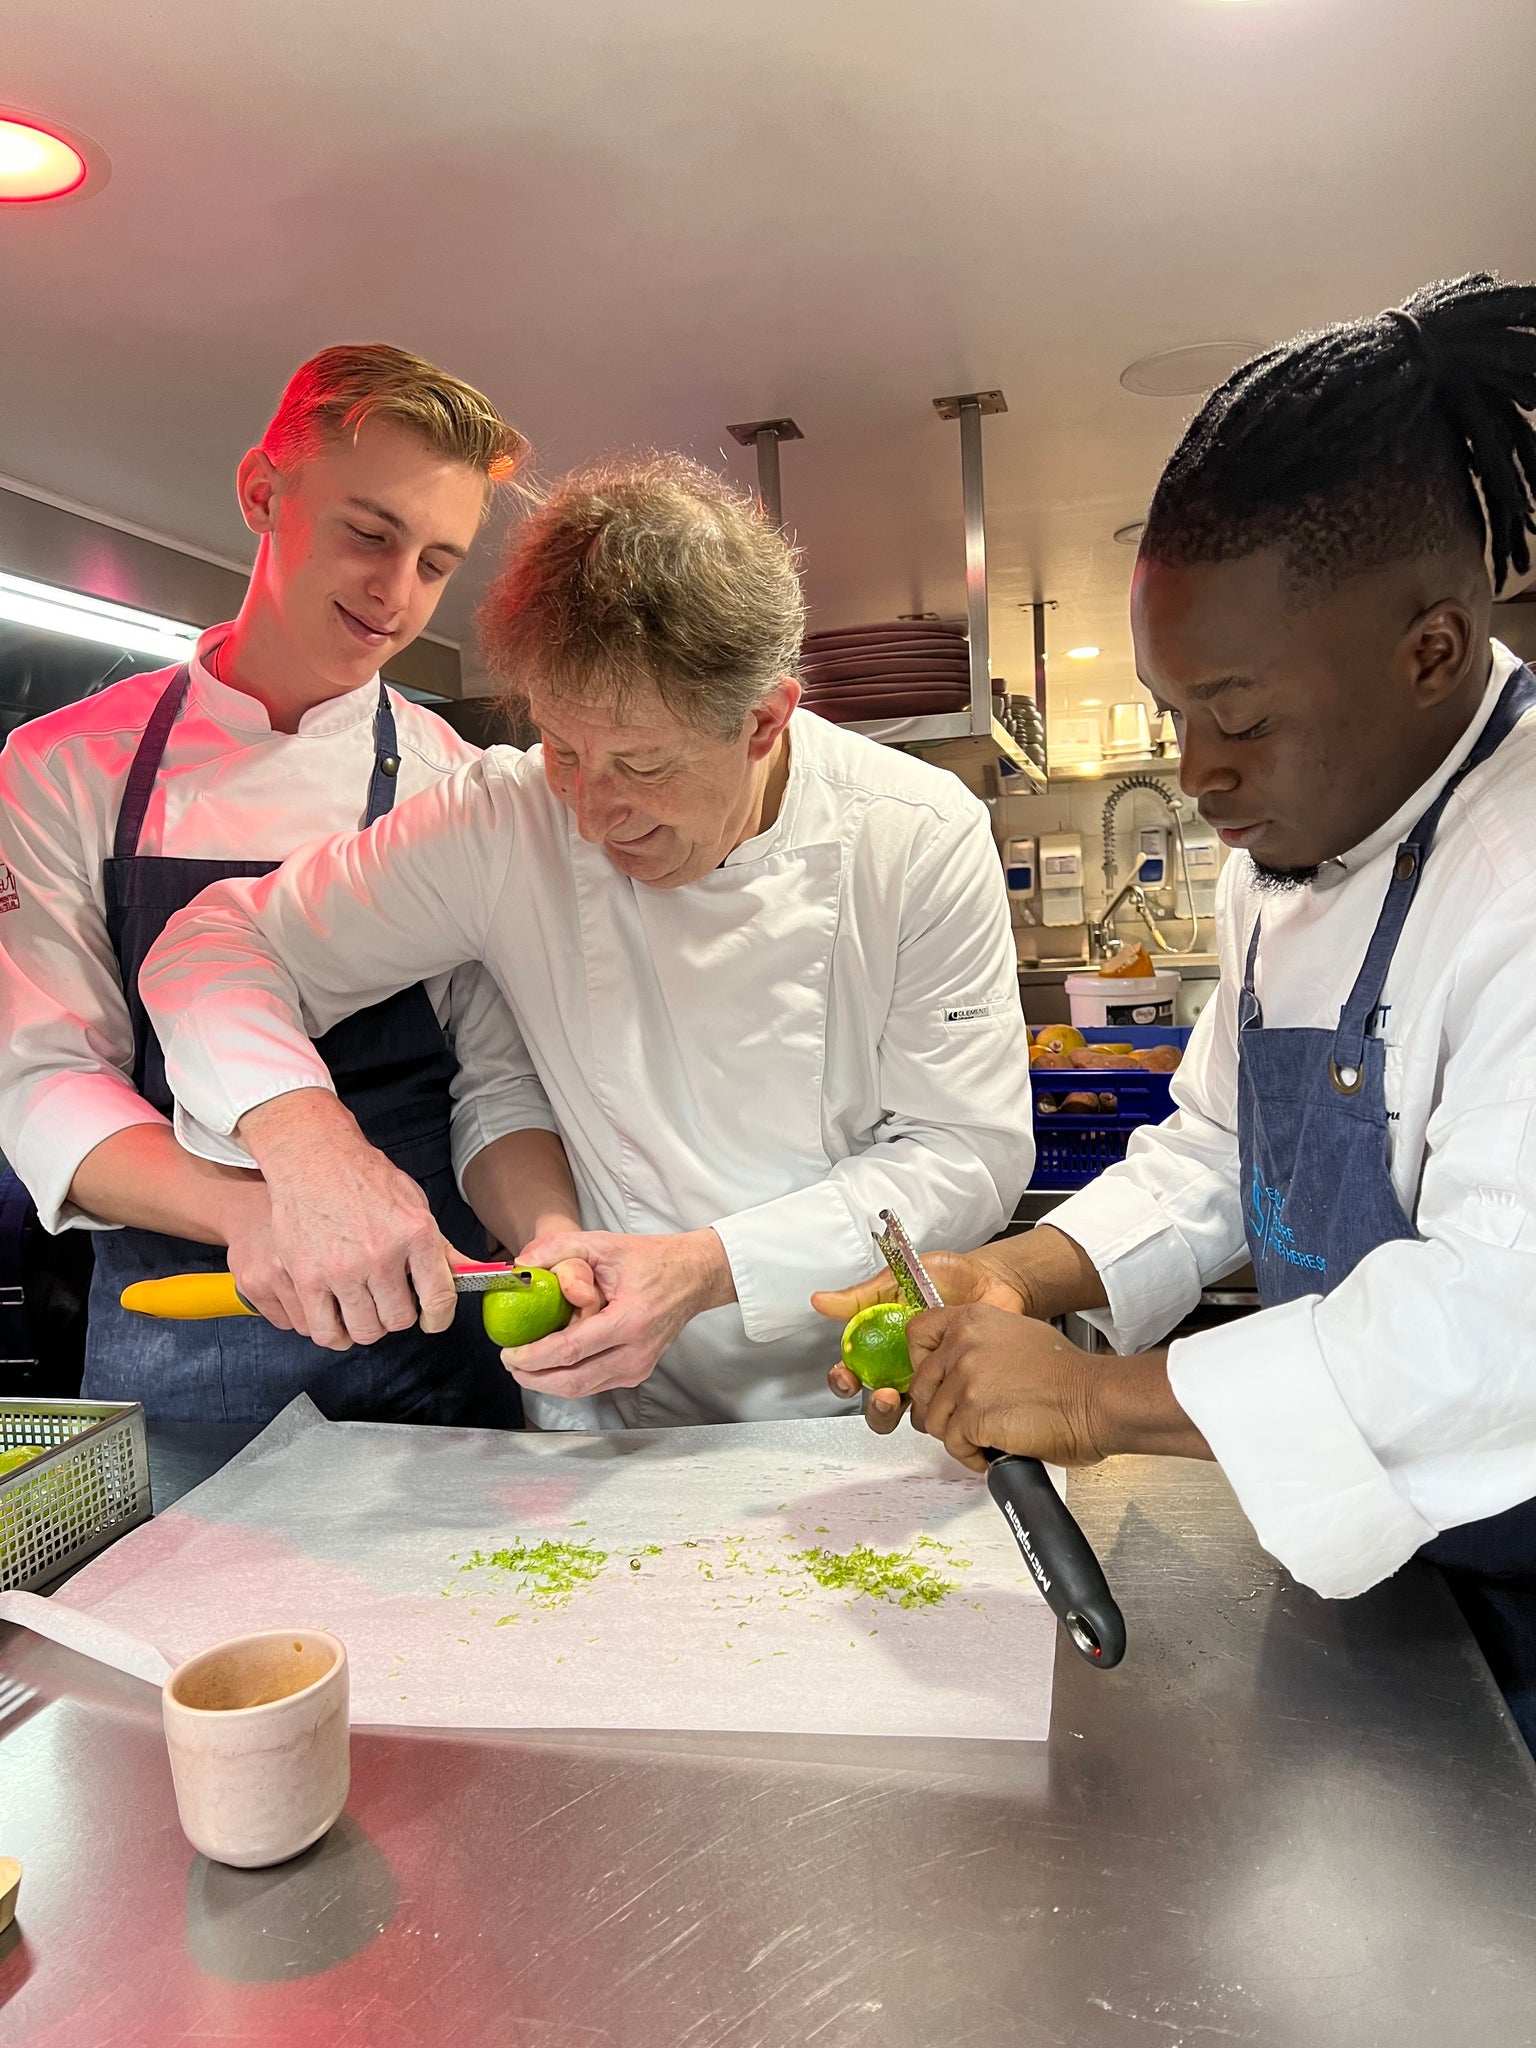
[{"x": 70, "y": 612}]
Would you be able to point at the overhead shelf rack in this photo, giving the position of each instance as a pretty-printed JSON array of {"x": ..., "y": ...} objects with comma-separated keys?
[{"x": 941, "y": 728}]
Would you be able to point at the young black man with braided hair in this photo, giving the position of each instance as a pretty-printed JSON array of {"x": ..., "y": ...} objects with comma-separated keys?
[{"x": 1357, "y": 1109}]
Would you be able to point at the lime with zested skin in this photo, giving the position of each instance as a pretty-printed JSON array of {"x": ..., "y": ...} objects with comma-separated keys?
[
  {"x": 514, "y": 1316},
  {"x": 875, "y": 1346}
]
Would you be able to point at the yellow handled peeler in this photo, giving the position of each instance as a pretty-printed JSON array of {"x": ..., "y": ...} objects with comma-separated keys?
[{"x": 200, "y": 1297}]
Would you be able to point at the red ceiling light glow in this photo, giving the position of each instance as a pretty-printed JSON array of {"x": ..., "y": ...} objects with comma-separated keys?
[{"x": 36, "y": 165}]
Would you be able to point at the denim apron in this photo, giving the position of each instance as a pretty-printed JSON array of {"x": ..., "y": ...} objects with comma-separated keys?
[
  {"x": 1315, "y": 1171},
  {"x": 392, "y": 1068}
]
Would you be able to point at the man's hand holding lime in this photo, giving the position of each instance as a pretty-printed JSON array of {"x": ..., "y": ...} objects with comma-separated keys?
[
  {"x": 640, "y": 1292},
  {"x": 1041, "y": 1274},
  {"x": 959, "y": 1276},
  {"x": 516, "y": 1316}
]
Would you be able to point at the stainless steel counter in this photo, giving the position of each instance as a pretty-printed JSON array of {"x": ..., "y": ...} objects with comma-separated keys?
[
  {"x": 1198, "y": 965},
  {"x": 1280, "y": 1822}
]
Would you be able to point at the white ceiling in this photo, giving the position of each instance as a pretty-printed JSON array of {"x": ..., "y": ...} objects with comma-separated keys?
[{"x": 633, "y": 225}]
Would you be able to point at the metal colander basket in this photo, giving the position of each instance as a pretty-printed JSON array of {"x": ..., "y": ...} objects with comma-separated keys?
[{"x": 88, "y": 1487}]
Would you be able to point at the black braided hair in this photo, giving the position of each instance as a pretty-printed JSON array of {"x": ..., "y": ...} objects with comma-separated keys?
[{"x": 1368, "y": 443}]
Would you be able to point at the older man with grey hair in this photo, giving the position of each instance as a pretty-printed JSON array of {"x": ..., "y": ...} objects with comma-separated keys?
[{"x": 763, "y": 968}]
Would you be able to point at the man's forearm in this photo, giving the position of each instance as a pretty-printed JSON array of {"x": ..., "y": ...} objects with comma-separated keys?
[
  {"x": 1135, "y": 1413},
  {"x": 141, "y": 1177},
  {"x": 1050, "y": 1270},
  {"x": 520, "y": 1187},
  {"x": 281, "y": 1134}
]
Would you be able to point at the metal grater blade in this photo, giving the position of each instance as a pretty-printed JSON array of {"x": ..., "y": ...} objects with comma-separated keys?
[
  {"x": 496, "y": 1281},
  {"x": 911, "y": 1276}
]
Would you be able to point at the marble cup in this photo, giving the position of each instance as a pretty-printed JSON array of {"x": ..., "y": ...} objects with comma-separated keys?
[{"x": 259, "y": 1738}]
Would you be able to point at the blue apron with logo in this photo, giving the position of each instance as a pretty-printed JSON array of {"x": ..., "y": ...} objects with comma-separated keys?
[
  {"x": 1317, "y": 1183},
  {"x": 393, "y": 1069}
]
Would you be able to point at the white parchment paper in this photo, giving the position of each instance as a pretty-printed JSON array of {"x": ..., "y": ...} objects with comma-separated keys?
[{"x": 680, "y": 1594}]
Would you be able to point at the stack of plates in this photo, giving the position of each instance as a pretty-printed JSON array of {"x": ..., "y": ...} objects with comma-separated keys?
[{"x": 906, "y": 669}]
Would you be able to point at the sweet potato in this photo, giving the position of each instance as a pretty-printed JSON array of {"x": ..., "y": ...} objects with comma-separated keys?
[
  {"x": 1099, "y": 1059},
  {"x": 1158, "y": 1059}
]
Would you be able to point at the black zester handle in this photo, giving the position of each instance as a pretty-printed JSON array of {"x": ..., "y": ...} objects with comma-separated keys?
[{"x": 1059, "y": 1555}]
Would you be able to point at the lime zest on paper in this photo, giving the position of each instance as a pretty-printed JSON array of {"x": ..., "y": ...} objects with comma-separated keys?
[
  {"x": 895, "y": 1575},
  {"x": 552, "y": 1572}
]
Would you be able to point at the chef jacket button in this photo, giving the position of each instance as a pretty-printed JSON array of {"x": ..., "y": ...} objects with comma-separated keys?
[
  {"x": 389, "y": 764},
  {"x": 1407, "y": 861}
]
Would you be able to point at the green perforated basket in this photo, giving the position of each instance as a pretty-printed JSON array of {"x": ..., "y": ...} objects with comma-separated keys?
[{"x": 90, "y": 1485}]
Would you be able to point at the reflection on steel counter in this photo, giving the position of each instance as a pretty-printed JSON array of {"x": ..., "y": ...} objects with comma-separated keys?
[{"x": 1308, "y": 1823}]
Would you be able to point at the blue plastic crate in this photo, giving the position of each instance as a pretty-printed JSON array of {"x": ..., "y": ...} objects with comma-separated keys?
[{"x": 1072, "y": 1149}]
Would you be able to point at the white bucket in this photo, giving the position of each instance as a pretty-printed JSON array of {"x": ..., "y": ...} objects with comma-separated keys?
[{"x": 1103, "y": 999}]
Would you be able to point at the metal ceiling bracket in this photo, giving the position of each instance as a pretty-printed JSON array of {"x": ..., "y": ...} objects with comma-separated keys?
[
  {"x": 1038, "y": 607},
  {"x": 984, "y": 401},
  {"x": 765, "y": 436},
  {"x": 968, "y": 408}
]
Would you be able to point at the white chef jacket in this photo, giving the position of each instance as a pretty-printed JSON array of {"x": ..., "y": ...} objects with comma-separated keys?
[
  {"x": 1355, "y": 1427},
  {"x": 826, "y": 1025},
  {"x": 229, "y": 788}
]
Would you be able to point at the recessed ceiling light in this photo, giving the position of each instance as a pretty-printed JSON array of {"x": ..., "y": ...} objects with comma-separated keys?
[
  {"x": 1129, "y": 535},
  {"x": 41, "y": 162},
  {"x": 1091, "y": 703},
  {"x": 1082, "y": 654},
  {"x": 1197, "y": 367}
]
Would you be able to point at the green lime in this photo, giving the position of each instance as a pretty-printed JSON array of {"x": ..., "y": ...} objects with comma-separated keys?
[
  {"x": 875, "y": 1346},
  {"x": 22, "y": 1455},
  {"x": 522, "y": 1315}
]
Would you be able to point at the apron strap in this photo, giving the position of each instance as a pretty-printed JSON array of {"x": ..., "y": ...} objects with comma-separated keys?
[
  {"x": 140, "y": 785},
  {"x": 386, "y": 761},
  {"x": 1515, "y": 699},
  {"x": 1248, "y": 1013}
]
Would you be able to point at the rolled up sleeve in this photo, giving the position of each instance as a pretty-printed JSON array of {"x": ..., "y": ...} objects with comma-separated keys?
[
  {"x": 1315, "y": 1489},
  {"x": 496, "y": 1089},
  {"x": 65, "y": 1068}
]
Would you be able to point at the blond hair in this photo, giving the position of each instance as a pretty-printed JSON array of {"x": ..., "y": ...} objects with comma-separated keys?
[
  {"x": 647, "y": 572},
  {"x": 335, "y": 392}
]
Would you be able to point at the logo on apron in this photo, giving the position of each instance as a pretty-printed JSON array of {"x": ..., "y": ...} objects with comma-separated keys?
[
  {"x": 1271, "y": 1234},
  {"x": 10, "y": 895}
]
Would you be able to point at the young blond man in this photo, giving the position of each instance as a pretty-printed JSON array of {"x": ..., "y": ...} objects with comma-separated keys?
[{"x": 366, "y": 491}]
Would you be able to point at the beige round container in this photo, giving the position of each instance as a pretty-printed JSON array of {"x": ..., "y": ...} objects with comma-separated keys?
[{"x": 259, "y": 1736}]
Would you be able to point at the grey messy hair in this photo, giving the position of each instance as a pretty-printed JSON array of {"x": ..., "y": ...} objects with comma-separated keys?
[{"x": 652, "y": 571}]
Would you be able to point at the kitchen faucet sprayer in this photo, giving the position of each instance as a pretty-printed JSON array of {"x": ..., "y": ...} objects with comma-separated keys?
[{"x": 1102, "y": 929}]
